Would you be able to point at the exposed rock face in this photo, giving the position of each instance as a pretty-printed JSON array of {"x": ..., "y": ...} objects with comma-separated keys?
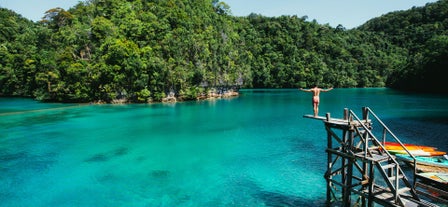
[
  {"x": 119, "y": 101},
  {"x": 171, "y": 98},
  {"x": 213, "y": 93},
  {"x": 222, "y": 94}
]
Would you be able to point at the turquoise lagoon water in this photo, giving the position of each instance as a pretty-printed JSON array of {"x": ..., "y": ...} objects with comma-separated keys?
[{"x": 253, "y": 150}]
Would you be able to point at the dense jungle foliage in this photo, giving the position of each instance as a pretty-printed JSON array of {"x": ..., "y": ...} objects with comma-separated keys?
[{"x": 141, "y": 50}]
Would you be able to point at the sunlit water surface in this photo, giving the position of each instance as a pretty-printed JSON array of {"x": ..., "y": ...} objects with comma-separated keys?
[{"x": 253, "y": 150}]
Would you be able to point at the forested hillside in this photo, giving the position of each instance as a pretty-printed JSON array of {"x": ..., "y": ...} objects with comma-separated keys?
[
  {"x": 423, "y": 32},
  {"x": 141, "y": 50},
  {"x": 18, "y": 54}
]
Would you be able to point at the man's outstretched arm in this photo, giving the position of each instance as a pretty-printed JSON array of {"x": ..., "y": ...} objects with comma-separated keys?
[{"x": 328, "y": 89}]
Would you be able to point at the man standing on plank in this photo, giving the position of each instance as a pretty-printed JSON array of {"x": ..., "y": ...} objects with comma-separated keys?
[{"x": 316, "y": 91}]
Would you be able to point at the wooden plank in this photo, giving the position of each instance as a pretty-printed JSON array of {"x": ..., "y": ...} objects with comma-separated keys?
[
  {"x": 314, "y": 117},
  {"x": 339, "y": 122}
]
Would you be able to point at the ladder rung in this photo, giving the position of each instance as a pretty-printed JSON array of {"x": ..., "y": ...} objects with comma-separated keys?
[
  {"x": 380, "y": 158},
  {"x": 393, "y": 177},
  {"x": 389, "y": 166},
  {"x": 403, "y": 190}
]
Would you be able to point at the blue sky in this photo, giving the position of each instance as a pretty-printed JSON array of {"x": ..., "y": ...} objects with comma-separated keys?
[{"x": 348, "y": 13}]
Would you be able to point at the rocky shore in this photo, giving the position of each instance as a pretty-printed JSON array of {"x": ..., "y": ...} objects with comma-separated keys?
[{"x": 213, "y": 93}]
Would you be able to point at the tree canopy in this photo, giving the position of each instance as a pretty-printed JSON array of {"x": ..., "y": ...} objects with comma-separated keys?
[
  {"x": 142, "y": 50},
  {"x": 423, "y": 32}
]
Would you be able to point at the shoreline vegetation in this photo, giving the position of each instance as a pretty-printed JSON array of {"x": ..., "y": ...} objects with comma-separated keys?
[{"x": 212, "y": 93}]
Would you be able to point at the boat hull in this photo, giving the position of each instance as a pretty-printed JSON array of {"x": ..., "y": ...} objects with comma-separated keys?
[{"x": 426, "y": 164}]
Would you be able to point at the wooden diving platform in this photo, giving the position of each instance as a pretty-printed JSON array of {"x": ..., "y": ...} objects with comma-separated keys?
[
  {"x": 359, "y": 172},
  {"x": 337, "y": 121}
]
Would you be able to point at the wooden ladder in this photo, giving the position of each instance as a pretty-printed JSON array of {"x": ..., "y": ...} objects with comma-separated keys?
[{"x": 394, "y": 188}]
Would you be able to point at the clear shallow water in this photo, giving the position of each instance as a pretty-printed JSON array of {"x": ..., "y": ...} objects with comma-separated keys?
[{"x": 254, "y": 150}]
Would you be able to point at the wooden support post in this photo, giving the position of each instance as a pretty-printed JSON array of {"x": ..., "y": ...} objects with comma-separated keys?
[
  {"x": 365, "y": 113},
  {"x": 365, "y": 176},
  {"x": 371, "y": 184},
  {"x": 349, "y": 169},
  {"x": 345, "y": 166},
  {"x": 345, "y": 113},
  {"x": 329, "y": 165}
]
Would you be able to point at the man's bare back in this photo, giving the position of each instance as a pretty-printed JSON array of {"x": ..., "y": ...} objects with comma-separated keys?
[
  {"x": 315, "y": 100},
  {"x": 316, "y": 91}
]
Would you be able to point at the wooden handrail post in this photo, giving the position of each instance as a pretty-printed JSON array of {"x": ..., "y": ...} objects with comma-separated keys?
[{"x": 365, "y": 113}]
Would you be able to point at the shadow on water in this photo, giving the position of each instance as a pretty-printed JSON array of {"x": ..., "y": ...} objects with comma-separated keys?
[
  {"x": 104, "y": 157},
  {"x": 17, "y": 167},
  {"x": 276, "y": 199},
  {"x": 25, "y": 161},
  {"x": 41, "y": 117},
  {"x": 159, "y": 174}
]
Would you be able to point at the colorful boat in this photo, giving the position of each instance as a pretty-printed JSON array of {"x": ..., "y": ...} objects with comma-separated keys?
[
  {"x": 416, "y": 150},
  {"x": 397, "y": 146},
  {"x": 439, "y": 177},
  {"x": 428, "y": 164},
  {"x": 433, "y": 185},
  {"x": 410, "y": 147}
]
